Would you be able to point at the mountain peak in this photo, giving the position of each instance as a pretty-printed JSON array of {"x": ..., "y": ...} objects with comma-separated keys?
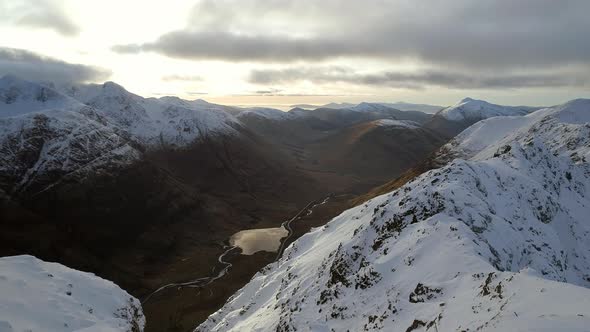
[
  {"x": 578, "y": 103},
  {"x": 575, "y": 111},
  {"x": 20, "y": 96},
  {"x": 466, "y": 100},
  {"x": 113, "y": 87},
  {"x": 366, "y": 106},
  {"x": 472, "y": 110}
]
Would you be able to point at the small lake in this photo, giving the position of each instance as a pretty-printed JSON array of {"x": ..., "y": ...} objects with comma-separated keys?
[{"x": 262, "y": 239}]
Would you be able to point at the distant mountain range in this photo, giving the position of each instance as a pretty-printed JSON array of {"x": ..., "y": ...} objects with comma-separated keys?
[
  {"x": 155, "y": 178},
  {"x": 402, "y": 106},
  {"x": 495, "y": 239},
  {"x": 467, "y": 218}
]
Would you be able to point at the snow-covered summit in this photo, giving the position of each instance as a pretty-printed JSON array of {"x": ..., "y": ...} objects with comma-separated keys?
[
  {"x": 473, "y": 110},
  {"x": 41, "y": 296},
  {"x": 49, "y": 131},
  {"x": 19, "y": 97},
  {"x": 150, "y": 121},
  {"x": 498, "y": 241},
  {"x": 403, "y": 106},
  {"x": 575, "y": 111},
  {"x": 481, "y": 139},
  {"x": 173, "y": 100},
  {"x": 199, "y": 104}
]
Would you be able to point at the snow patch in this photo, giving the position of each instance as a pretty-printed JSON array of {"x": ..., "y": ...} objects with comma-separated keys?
[
  {"x": 397, "y": 123},
  {"x": 42, "y": 296}
]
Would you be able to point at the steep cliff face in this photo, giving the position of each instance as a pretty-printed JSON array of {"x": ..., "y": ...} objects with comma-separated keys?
[
  {"x": 497, "y": 240},
  {"x": 39, "y": 149}
]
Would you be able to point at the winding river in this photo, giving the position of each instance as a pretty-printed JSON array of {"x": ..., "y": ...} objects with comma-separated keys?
[{"x": 269, "y": 238}]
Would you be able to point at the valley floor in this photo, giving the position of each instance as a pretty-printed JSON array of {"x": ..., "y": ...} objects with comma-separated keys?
[{"x": 183, "y": 308}]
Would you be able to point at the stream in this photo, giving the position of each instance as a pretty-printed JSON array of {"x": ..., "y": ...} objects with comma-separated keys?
[
  {"x": 243, "y": 240},
  {"x": 200, "y": 282}
]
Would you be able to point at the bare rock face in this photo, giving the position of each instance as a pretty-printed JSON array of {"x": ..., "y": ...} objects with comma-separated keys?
[
  {"x": 39, "y": 149},
  {"x": 494, "y": 241}
]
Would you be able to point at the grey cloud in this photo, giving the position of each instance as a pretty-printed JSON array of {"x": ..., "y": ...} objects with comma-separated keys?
[
  {"x": 172, "y": 78},
  {"x": 44, "y": 14},
  {"x": 32, "y": 66},
  {"x": 418, "y": 80},
  {"x": 274, "y": 92},
  {"x": 490, "y": 34},
  {"x": 292, "y": 95},
  {"x": 230, "y": 46},
  {"x": 127, "y": 49}
]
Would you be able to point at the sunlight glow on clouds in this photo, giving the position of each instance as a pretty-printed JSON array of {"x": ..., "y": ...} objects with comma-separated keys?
[{"x": 238, "y": 51}]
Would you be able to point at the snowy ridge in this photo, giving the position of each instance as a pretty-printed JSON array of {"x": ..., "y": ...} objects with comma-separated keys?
[
  {"x": 398, "y": 123},
  {"x": 18, "y": 97},
  {"x": 474, "y": 110},
  {"x": 41, "y": 296},
  {"x": 403, "y": 106},
  {"x": 267, "y": 113},
  {"x": 153, "y": 122},
  {"x": 498, "y": 242},
  {"x": 372, "y": 107},
  {"x": 47, "y": 135}
]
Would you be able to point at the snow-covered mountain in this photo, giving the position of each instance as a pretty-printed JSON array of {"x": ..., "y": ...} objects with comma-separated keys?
[
  {"x": 474, "y": 110},
  {"x": 39, "y": 149},
  {"x": 359, "y": 113},
  {"x": 266, "y": 113},
  {"x": 329, "y": 105},
  {"x": 454, "y": 119},
  {"x": 18, "y": 97},
  {"x": 373, "y": 107},
  {"x": 41, "y": 296},
  {"x": 151, "y": 121},
  {"x": 498, "y": 240},
  {"x": 402, "y": 106},
  {"x": 49, "y": 133},
  {"x": 46, "y": 136}
]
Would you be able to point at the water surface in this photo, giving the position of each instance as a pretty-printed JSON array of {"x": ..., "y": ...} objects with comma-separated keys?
[{"x": 262, "y": 239}]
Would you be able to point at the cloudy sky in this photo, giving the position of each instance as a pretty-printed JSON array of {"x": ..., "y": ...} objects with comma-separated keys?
[{"x": 281, "y": 52}]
